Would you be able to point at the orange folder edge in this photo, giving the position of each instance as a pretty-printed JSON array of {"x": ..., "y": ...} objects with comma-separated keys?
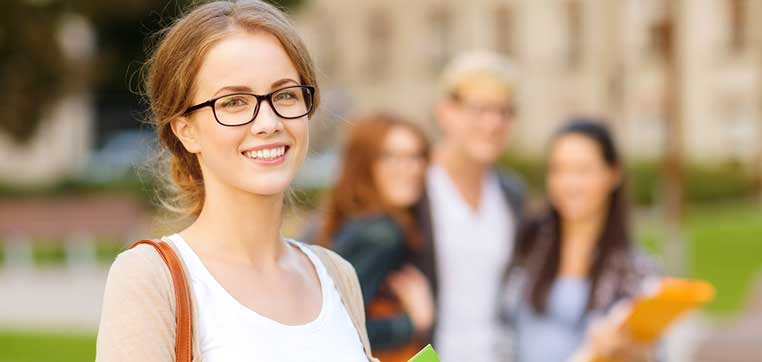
[{"x": 652, "y": 313}]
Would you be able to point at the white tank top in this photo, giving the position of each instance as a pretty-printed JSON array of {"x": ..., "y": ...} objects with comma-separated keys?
[{"x": 230, "y": 331}]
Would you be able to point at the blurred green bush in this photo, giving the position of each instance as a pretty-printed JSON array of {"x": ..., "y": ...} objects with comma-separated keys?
[
  {"x": 141, "y": 188},
  {"x": 702, "y": 184}
]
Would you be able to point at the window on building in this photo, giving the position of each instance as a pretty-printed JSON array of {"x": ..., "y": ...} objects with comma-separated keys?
[
  {"x": 737, "y": 25},
  {"x": 661, "y": 34},
  {"x": 574, "y": 24},
  {"x": 505, "y": 30},
  {"x": 379, "y": 43},
  {"x": 441, "y": 39}
]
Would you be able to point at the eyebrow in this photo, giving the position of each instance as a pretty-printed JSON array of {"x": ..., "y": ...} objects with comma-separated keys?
[
  {"x": 246, "y": 89},
  {"x": 283, "y": 81}
]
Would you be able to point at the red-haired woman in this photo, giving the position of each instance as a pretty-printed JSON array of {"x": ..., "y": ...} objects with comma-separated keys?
[{"x": 369, "y": 221}]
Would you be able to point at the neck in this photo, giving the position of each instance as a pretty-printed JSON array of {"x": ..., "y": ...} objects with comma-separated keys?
[
  {"x": 466, "y": 173},
  {"x": 578, "y": 241},
  {"x": 239, "y": 226}
]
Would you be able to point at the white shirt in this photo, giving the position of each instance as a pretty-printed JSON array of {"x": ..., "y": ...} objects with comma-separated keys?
[
  {"x": 473, "y": 248},
  {"x": 230, "y": 331}
]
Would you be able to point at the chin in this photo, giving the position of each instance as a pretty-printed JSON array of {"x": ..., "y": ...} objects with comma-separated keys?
[
  {"x": 267, "y": 187},
  {"x": 576, "y": 215},
  {"x": 403, "y": 203},
  {"x": 485, "y": 155},
  {"x": 400, "y": 200},
  {"x": 486, "y": 158}
]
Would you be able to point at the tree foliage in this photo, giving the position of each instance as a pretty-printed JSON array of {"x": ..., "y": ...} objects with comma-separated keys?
[{"x": 33, "y": 71}]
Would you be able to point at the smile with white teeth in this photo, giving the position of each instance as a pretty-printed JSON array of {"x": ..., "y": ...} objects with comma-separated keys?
[{"x": 266, "y": 154}]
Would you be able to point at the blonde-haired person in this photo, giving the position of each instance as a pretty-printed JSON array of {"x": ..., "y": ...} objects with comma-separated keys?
[
  {"x": 231, "y": 89},
  {"x": 471, "y": 211}
]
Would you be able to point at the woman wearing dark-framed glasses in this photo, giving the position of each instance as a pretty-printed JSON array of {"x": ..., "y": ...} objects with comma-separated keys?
[{"x": 231, "y": 89}]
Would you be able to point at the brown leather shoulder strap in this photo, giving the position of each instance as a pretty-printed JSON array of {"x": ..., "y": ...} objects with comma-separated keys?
[{"x": 184, "y": 337}]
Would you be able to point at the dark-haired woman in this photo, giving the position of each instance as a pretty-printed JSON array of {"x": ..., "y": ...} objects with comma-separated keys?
[
  {"x": 369, "y": 222},
  {"x": 576, "y": 261}
]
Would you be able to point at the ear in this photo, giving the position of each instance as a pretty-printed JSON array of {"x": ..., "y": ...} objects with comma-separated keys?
[
  {"x": 187, "y": 132},
  {"x": 617, "y": 177},
  {"x": 443, "y": 110}
]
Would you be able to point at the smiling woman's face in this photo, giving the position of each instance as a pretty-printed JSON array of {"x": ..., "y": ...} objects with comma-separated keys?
[
  {"x": 579, "y": 180},
  {"x": 260, "y": 157},
  {"x": 399, "y": 172}
]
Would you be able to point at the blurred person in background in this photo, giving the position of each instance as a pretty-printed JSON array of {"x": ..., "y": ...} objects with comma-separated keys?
[
  {"x": 369, "y": 221},
  {"x": 471, "y": 211},
  {"x": 235, "y": 136},
  {"x": 573, "y": 263}
]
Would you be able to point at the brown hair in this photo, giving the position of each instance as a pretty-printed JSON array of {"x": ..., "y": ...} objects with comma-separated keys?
[
  {"x": 170, "y": 83},
  {"x": 355, "y": 193}
]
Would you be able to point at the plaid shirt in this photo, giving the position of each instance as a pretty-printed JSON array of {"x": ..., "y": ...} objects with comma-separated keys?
[{"x": 625, "y": 275}]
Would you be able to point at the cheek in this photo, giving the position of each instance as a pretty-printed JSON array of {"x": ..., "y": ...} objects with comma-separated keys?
[
  {"x": 298, "y": 129},
  {"x": 477, "y": 142},
  {"x": 565, "y": 188},
  {"x": 580, "y": 194},
  {"x": 504, "y": 133},
  {"x": 408, "y": 181},
  {"x": 501, "y": 132},
  {"x": 598, "y": 189},
  {"x": 555, "y": 186},
  {"x": 487, "y": 141},
  {"x": 220, "y": 143},
  {"x": 457, "y": 128},
  {"x": 383, "y": 177},
  {"x": 418, "y": 173}
]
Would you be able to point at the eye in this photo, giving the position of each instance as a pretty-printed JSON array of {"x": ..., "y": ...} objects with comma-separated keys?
[
  {"x": 233, "y": 102},
  {"x": 287, "y": 95}
]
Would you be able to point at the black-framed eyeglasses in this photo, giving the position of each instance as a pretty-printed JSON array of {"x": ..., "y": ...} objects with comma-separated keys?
[
  {"x": 506, "y": 111},
  {"x": 238, "y": 109}
]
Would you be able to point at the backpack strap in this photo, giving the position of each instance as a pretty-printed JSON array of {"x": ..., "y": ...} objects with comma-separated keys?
[
  {"x": 348, "y": 286},
  {"x": 184, "y": 337}
]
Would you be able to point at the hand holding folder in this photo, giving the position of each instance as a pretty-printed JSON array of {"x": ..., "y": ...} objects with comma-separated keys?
[{"x": 636, "y": 325}]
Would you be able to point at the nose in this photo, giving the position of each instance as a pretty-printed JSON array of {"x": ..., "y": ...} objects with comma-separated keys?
[
  {"x": 266, "y": 122},
  {"x": 494, "y": 120}
]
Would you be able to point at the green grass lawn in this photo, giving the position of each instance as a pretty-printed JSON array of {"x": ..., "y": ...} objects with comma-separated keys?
[
  {"x": 25, "y": 346},
  {"x": 723, "y": 245}
]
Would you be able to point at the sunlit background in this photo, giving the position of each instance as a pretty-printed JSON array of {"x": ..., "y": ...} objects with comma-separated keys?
[{"x": 680, "y": 82}]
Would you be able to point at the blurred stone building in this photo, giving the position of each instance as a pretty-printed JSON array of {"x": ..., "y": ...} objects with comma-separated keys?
[
  {"x": 607, "y": 58},
  {"x": 577, "y": 57}
]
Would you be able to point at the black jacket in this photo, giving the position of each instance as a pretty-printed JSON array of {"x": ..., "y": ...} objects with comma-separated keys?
[{"x": 376, "y": 246}]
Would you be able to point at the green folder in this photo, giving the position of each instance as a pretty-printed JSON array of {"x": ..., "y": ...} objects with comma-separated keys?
[{"x": 427, "y": 354}]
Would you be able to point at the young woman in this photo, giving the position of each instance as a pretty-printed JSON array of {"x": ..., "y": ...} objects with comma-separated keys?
[
  {"x": 231, "y": 89},
  {"x": 577, "y": 260},
  {"x": 369, "y": 221}
]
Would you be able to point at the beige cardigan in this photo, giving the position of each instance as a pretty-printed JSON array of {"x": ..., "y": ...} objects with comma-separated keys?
[{"x": 138, "y": 316}]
